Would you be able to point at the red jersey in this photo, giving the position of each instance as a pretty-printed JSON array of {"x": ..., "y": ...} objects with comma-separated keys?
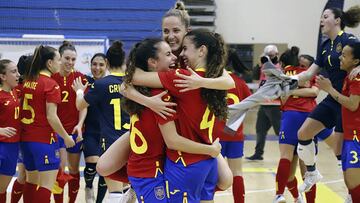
[
  {"x": 9, "y": 114},
  {"x": 234, "y": 96},
  {"x": 195, "y": 121},
  {"x": 67, "y": 111},
  {"x": 146, "y": 159},
  {"x": 296, "y": 103},
  {"x": 36, "y": 94},
  {"x": 351, "y": 119}
]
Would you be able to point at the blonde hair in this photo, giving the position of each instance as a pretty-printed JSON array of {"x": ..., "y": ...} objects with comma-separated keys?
[{"x": 179, "y": 11}]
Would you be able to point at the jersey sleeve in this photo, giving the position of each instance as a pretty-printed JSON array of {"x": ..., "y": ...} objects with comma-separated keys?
[
  {"x": 355, "y": 86},
  {"x": 167, "y": 80},
  {"x": 52, "y": 92},
  {"x": 320, "y": 55},
  {"x": 94, "y": 95}
]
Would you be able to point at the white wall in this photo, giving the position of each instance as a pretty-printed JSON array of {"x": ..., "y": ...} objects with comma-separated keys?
[{"x": 273, "y": 21}]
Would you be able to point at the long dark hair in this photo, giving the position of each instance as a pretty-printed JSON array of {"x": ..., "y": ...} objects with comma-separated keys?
[
  {"x": 355, "y": 50},
  {"x": 24, "y": 64},
  {"x": 115, "y": 55},
  {"x": 40, "y": 57},
  {"x": 138, "y": 58},
  {"x": 215, "y": 63},
  {"x": 349, "y": 18},
  {"x": 290, "y": 57},
  {"x": 234, "y": 62}
]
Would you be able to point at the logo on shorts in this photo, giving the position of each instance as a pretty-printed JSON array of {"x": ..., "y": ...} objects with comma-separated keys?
[
  {"x": 159, "y": 192},
  {"x": 339, "y": 47},
  {"x": 57, "y": 154}
]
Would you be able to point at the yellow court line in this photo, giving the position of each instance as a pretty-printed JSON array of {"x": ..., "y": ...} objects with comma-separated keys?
[{"x": 323, "y": 192}]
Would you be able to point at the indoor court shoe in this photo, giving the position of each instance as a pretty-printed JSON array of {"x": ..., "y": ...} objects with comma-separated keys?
[
  {"x": 299, "y": 199},
  {"x": 311, "y": 178},
  {"x": 255, "y": 157},
  {"x": 279, "y": 199}
]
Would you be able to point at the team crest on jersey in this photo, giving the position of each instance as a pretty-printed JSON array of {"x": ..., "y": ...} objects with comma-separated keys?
[
  {"x": 159, "y": 192},
  {"x": 339, "y": 47}
]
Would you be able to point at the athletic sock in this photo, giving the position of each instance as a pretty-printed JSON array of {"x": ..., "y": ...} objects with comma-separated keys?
[
  {"x": 282, "y": 175},
  {"x": 16, "y": 192},
  {"x": 74, "y": 185},
  {"x": 238, "y": 189},
  {"x": 311, "y": 195},
  {"x": 293, "y": 188},
  {"x": 102, "y": 187}
]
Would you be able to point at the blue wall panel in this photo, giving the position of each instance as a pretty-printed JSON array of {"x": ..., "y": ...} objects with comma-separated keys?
[{"x": 127, "y": 20}]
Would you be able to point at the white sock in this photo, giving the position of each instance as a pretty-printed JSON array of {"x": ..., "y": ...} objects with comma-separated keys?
[
  {"x": 114, "y": 197},
  {"x": 307, "y": 153}
]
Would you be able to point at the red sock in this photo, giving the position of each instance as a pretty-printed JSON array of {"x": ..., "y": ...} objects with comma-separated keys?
[
  {"x": 217, "y": 189},
  {"x": 120, "y": 175},
  {"x": 292, "y": 187},
  {"x": 16, "y": 192},
  {"x": 311, "y": 195},
  {"x": 62, "y": 178},
  {"x": 238, "y": 189},
  {"x": 355, "y": 194},
  {"x": 282, "y": 175},
  {"x": 29, "y": 192},
  {"x": 74, "y": 185},
  {"x": 42, "y": 195},
  {"x": 3, "y": 197}
]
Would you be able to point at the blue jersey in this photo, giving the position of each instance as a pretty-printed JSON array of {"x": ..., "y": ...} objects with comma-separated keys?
[
  {"x": 92, "y": 124},
  {"x": 105, "y": 95},
  {"x": 328, "y": 58}
]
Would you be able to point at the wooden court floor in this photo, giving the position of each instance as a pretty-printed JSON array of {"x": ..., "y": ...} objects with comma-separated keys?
[{"x": 260, "y": 178}]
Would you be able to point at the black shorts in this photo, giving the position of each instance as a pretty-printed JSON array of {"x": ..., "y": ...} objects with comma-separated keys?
[
  {"x": 328, "y": 112},
  {"x": 91, "y": 144}
]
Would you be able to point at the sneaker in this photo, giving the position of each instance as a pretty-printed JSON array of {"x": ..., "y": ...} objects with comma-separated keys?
[
  {"x": 348, "y": 199},
  {"x": 129, "y": 196},
  {"x": 299, "y": 199},
  {"x": 254, "y": 157},
  {"x": 89, "y": 195},
  {"x": 279, "y": 199},
  {"x": 310, "y": 179}
]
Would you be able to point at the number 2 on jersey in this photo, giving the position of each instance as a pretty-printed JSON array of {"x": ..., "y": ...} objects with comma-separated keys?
[{"x": 206, "y": 123}]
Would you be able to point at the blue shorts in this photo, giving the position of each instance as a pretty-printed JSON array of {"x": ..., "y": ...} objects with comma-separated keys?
[
  {"x": 350, "y": 154},
  {"x": 40, "y": 156},
  {"x": 291, "y": 121},
  {"x": 91, "y": 144},
  {"x": 194, "y": 182},
  {"x": 149, "y": 189},
  {"x": 8, "y": 158},
  {"x": 328, "y": 113},
  {"x": 233, "y": 149},
  {"x": 20, "y": 157},
  {"x": 324, "y": 134},
  {"x": 75, "y": 149}
]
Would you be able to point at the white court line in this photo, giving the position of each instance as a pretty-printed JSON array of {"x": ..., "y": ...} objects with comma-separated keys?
[{"x": 226, "y": 193}]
